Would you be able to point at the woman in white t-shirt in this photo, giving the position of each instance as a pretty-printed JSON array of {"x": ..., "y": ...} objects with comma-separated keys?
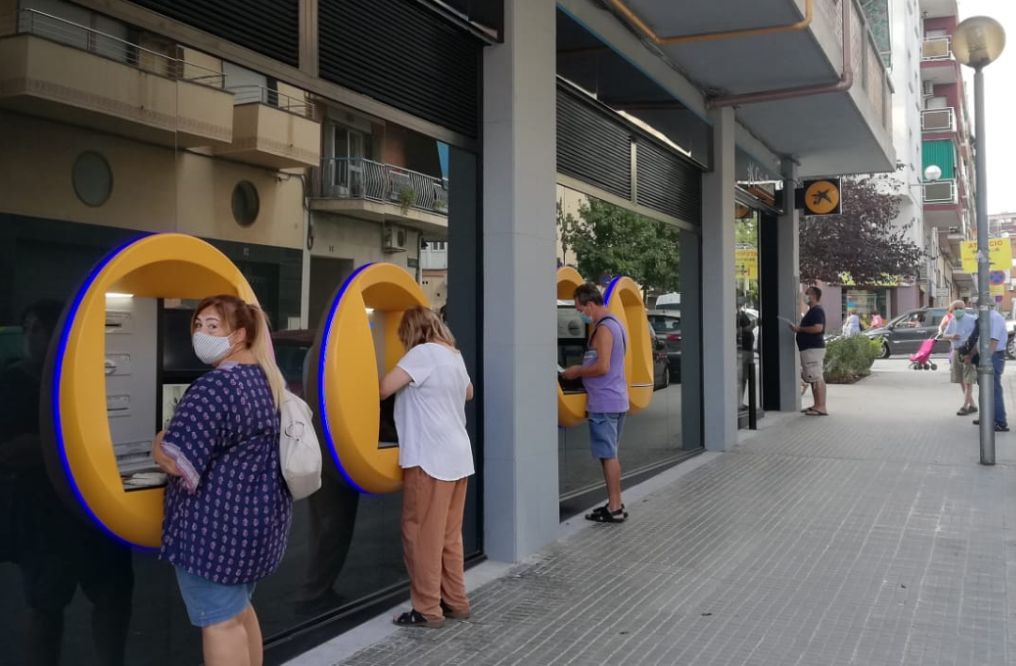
[{"x": 432, "y": 388}]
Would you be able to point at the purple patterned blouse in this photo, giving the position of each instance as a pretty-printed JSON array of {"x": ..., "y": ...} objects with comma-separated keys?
[{"x": 227, "y": 516}]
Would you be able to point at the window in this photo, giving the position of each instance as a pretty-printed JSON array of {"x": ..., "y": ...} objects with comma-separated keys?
[
  {"x": 246, "y": 203},
  {"x": 92, "y": 178}
]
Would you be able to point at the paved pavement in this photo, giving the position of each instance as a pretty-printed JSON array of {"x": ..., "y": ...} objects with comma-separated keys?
[{"x": 871, "y": 536}]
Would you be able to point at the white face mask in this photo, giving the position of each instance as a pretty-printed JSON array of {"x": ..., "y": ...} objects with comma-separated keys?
[
  {"x": 211, "y": 348},
  {"x": 807, "y": 299}
]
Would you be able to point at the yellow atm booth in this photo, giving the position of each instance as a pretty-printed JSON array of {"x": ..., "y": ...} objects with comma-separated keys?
[
  {"x": 102, "y": 378},
  {"x": 357, "y": 342},
  {"x": 624, "y": 300}
]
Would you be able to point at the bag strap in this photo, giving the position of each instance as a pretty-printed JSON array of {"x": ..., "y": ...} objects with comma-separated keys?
[{"x": 624, "y": 339}]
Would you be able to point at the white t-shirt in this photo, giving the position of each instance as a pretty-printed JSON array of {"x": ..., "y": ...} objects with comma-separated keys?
[{"x": 430, "y": 413}]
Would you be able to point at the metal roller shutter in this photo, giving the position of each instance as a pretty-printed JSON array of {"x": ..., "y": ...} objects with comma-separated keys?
[
  {"x": 405, "y": 55},
  {"x": 591, "y": 146},
  {"x": 269, "y": 27},
  {"x": 667, "y": 183}
]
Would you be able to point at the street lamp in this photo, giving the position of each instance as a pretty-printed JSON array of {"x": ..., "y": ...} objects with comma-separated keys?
[{"x": 977, "y": 42}]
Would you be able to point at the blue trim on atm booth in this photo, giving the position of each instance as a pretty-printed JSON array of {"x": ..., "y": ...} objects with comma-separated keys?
[
  {"x": 61, "y": 351},
  {"x": 610, "y": 289},
  {"x": 329, "y": 320}
]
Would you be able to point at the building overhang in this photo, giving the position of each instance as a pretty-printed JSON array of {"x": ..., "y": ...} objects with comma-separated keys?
[{"x": 847, "y": 131}]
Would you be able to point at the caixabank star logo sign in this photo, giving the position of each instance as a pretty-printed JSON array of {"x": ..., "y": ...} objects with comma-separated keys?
[{"x": 820, "y": 197}]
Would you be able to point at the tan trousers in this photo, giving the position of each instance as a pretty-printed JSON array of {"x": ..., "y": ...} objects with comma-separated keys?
[{"x": 432, "y": 541}]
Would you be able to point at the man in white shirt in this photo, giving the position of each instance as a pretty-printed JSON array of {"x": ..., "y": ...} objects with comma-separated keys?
[
  {"x": 996, "y": 347},
  {"x": 957, "y": 332}
]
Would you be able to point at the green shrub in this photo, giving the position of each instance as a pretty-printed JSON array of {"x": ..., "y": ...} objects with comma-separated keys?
[{"x": 849, "y": 359}]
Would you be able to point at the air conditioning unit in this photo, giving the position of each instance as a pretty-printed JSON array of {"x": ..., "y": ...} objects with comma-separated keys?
[
  {"x": 929, "y": 88},
  {"x": 394, "y": 239}
]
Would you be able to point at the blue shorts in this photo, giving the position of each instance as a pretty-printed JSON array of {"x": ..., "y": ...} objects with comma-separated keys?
[
  {"x": 605, "y": 433},
  {"x": 210, "y": 603}
]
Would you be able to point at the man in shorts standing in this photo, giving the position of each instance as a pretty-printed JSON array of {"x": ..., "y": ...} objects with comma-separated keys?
[
  {"x": 602, "y": 373},
  {"x": 811, "y": 344},
  {"x": 957, "y": 332}
]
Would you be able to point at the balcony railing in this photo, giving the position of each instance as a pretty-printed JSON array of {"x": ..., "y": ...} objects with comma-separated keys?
[
  {"x": 62, "y": 31},
  {"x": 938, "y": 120},
  {"x": 358, "y": 178},
  {"x": 255, "y": 94},
  {"x": 936, "y": 48},
  {"x": 940, "y": 192}
]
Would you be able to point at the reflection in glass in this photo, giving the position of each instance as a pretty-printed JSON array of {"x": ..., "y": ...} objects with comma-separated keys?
[{"x": 602, "y": 241}]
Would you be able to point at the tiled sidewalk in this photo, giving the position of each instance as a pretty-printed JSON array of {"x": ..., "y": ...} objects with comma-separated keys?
[{"x": 868, "y": 537}]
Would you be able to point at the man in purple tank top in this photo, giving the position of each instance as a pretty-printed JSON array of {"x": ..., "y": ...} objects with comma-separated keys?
[{"x": 602, "y": 373}]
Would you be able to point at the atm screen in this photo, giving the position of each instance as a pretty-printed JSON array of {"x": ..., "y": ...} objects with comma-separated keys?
[
  {"x": 389, "y": 436},
  {"x": 568, "y": 354},
  {"x": 131, "y": 387},
  {"x": 177, "y": 349}
]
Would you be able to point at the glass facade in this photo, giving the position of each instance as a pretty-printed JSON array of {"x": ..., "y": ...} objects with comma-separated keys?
[
  {"x": 78, "y": 182},
  {"x": 603, "y": 241}
]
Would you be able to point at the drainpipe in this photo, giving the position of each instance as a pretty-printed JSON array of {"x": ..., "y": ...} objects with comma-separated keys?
[
  {"x": 634, "y": 19},
  {"x": 844, "y": 83}
]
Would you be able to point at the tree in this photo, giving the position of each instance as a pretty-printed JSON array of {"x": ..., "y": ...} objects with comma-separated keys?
[
  {"x": 863, "y": 243},
  {"x": 608, "y": 239}
]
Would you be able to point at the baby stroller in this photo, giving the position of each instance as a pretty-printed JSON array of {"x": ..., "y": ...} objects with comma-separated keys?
[{"x": 922, "y": 359}]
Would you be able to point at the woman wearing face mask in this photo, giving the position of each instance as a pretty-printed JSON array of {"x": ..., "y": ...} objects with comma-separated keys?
[{"x": 227, "y": 508}]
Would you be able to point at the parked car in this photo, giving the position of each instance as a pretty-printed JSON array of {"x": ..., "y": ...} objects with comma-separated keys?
[
  {"x": 904, "y": 334},
  {"x": 667, "y": 327},
  {"x": 291, "y": 347}
]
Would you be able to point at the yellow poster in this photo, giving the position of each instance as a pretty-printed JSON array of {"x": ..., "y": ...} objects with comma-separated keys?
[
  {"x": 746, "y": 263},
  {"x": 999, "y": 254}
]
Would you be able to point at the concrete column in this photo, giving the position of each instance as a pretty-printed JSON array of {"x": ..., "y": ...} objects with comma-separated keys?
[
  {"x": 789, "y": 300},
  {"x": 719, "y": 337},
  {"x": 520, "y": 319}
]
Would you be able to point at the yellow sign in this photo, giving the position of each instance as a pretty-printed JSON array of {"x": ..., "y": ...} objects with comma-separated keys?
[
  {"x": 746, "y": 263},
  {"x": 887, "y": 281},
  {"x": 822, "y": 197},
  {"x": 999, "y": 254}
]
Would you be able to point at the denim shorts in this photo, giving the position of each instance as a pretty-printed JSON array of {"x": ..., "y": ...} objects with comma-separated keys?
[
  {"x": 605, "y": 433},
  {"x": 210, "y": 603}
]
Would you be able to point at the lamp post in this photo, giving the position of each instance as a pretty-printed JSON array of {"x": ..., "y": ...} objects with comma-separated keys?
[{"x": 977, "y": 42}]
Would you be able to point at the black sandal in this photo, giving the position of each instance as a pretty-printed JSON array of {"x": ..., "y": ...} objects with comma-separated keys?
[
  {"x": 603, "y": 514},
  {"x": 414, "y": 619}
]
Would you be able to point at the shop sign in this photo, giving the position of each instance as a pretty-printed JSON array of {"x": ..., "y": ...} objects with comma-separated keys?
[
  {"x": 887, "y": 281},
  {"x": 746, "y": 263},
  {"x": 821, "y": 197},
  {"x": 999, "y": 255}
]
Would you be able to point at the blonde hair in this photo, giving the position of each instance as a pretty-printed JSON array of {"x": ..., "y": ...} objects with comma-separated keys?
[
  {"x": 254, "y": 322},
  {"x": 420, "y": 325}
]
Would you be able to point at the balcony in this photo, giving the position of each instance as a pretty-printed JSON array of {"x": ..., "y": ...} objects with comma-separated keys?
[
  {"x": 937, "y": 48},
  {"x": 272, "y": 129},
  {"x": 380, "y": 192},
  {"x": 940, "y": 192},
  {"x": 57, "y": 69},
  {"x": 937, "y": 63},
  {"x": 938, "y": 120}
]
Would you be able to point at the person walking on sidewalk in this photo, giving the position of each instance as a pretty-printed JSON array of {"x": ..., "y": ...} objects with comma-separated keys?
[
  {"x": 996, "y": 346},
  {"x": 602, "y": 373},
  {"x": 431, "y": 387},
  {"x": 811, "y": 344},
  {"x": 957, "y": 332}
]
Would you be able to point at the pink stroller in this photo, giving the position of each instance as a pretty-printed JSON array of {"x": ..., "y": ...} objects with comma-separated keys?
[{"x": 922, "y": 359}]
